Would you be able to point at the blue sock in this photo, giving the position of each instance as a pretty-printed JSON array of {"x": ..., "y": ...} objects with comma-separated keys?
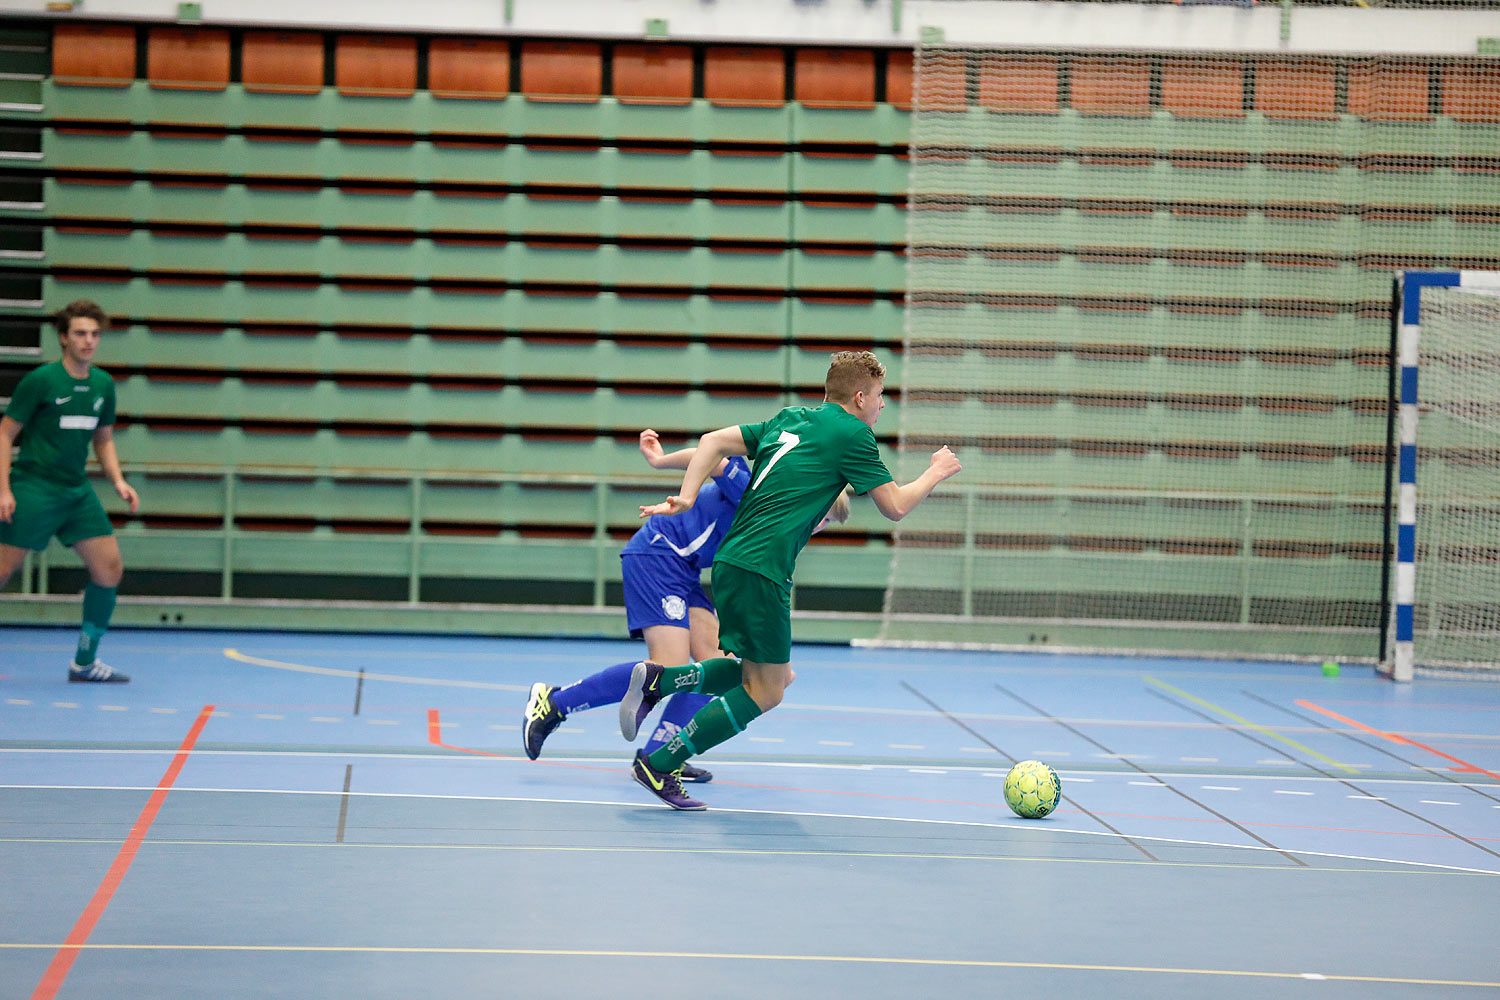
[
  {"x": 680, "y": 708},
  {"x": 607, "y": 687}
]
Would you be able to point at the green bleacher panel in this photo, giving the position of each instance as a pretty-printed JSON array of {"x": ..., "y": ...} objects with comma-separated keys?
[
  {"x": 860, "y": 321},
  {"x": 882, "y": 124},
  {"x": 421, "y": 210},
  {"x": 836, "y": 222},
  {"x": 878, "y": 173},
  {"x": 878, "y": 271},
  {"x": 408, "y": 161},
  {"x": 235, "y": 302}
]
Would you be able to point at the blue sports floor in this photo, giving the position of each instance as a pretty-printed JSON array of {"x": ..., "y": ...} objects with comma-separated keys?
[{"x": 285, "y": 815}]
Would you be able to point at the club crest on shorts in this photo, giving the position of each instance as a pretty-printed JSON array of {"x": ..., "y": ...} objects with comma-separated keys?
[{"x": 674, "y": 607}]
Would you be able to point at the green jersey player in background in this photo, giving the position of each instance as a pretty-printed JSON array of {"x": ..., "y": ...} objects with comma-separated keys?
[
  {"x": 57, "y": 411},
  {"x": 802, "y": 458}
]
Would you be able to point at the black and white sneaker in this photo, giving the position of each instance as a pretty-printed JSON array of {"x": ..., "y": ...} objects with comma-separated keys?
[
  {"x": 541, "y": 718},
  {"x": 640, "y": 697},
  {"x": 97, "y": 672},
  {"x": 691, "y": 773}
]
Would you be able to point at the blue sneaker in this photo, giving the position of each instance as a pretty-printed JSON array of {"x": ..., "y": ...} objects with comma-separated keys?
[
  {"x": 667, "y": 787},
  {"x": 541, "y": 718},
  {"x": 97, "y": 672},
  {"x": 640, "y": 698}
]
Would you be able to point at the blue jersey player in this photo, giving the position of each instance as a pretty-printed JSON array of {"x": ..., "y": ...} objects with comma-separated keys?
[{"x": 665, "y": 602}]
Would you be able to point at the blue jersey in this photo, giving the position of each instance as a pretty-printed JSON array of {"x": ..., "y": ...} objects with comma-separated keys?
[{"x": 695, "y": 534}]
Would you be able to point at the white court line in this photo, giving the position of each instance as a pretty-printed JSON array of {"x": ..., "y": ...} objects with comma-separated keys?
[
  {"x": 1283, "y": 791},
  {"x": 956, "y": 768},
  {"x": 1032, "y": 827},
  {"x": 1219, "y": 788}
]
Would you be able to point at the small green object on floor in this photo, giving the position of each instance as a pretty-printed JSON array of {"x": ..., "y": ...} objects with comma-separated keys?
[{"x": 1330, "y": 668}]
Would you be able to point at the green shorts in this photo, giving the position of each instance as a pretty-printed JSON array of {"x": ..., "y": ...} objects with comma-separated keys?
[
  {"x": 755, "y": 615},
  {"x": 44, "y": 509}
]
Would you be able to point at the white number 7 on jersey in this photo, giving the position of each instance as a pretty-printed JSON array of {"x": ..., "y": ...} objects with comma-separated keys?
[{"x": 788, "y": 441}]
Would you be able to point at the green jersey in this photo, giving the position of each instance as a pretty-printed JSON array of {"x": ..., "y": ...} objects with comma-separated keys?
[
  {"x": 802, "y": 458},
  {"x": 58, "y": 415}
]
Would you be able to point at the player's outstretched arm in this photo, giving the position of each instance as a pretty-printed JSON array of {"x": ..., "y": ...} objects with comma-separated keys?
[
  {"x": 712, "y": 449},
  {"x": 655, "y": 457},
  {"x": 895, "y": 502}
]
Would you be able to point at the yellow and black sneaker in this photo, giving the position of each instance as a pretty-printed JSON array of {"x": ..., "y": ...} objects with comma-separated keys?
[
  {"x": 541, "y": 718},
  {"x": 665, "y": 786}
]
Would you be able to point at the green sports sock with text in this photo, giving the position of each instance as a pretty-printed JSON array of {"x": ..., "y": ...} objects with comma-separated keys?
[
  {"x": 715, "y": 676},
  {"x": 98, "y": 607},
  {"x": 722, "y": 718}
]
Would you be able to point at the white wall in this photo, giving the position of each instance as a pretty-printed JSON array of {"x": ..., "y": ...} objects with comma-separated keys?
[{"x": 1025, "y": 23}]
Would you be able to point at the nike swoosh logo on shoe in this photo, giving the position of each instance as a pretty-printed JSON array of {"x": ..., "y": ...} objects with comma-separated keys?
[{"x": 658, "y": 785}]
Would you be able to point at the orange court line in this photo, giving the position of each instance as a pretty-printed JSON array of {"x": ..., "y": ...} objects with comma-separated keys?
[
  {"x": 62, "y": 962},
  {"x": 1464, "y": 766}
]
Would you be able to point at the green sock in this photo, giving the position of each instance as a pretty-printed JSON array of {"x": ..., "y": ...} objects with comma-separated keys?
[
  {"x": 715, "y": 722},
  {"x": 98, "y": 606},
  {"x": 716, "y": 676}
]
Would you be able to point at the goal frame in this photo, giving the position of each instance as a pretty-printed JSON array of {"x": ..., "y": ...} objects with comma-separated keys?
[{"x": 1400, "y": 660}]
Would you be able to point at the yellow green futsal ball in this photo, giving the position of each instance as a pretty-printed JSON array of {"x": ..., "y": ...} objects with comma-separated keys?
[{"x": 1032, "y": 789}]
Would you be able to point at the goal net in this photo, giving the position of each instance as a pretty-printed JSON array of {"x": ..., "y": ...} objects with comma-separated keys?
[
  {"x": 1148, "y": 305},
  {"x": 1451, "y": 347}
]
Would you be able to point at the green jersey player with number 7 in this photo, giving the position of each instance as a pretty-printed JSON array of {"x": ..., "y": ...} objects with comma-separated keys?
[{"x": 802, "y": 458}]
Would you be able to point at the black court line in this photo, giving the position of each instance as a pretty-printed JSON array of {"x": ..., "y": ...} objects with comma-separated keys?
[
  {"x": 1348, "y": 784},
  {"x": 359, "y": 689},
  {"x": 987, "y": 742},
  {"x": 344, "y": 803},
  {"x": 1206, "y": 808}
]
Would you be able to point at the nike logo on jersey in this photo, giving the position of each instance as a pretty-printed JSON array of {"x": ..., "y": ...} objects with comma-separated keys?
[{"x": 60, "y": 400}]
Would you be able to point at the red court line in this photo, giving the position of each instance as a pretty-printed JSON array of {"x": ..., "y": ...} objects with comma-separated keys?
[
  {"x": 1464, "y": 766},
  {"x": 52, "y": 979}
]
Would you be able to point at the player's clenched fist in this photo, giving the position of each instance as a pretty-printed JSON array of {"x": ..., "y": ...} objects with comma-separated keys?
[{"x": 945, "y": 463}]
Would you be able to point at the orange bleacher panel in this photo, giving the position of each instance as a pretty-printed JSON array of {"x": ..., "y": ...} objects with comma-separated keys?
[
  {"x": 1203, "y": 88},
  {"x": 468, "y": 67},
  {"x": 744, "y": 76},
  {"x": 282, "y": 62},
  {"x": 653, "y": 74},
  {"x": 898, "y": 74},
  {"x": 835, "y": 78},
  {"x": 1296, "y": 88},
  {"x": 943, "y": 84},
  {"x": 188, "y": 58},
  {"x": 562, "y": 71},
  {"x": 1110, "y": 85},
  {"x": 1024, "y": 84},
  {"x": 1471, "y": 93},
  {"x": 93, "y": 55},
  {"x": 375, "y": 65},
  {"x": 1389, "y": 90}
]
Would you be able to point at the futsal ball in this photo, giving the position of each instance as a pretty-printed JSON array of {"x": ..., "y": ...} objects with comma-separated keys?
[{"x": 1032, "y": 789}]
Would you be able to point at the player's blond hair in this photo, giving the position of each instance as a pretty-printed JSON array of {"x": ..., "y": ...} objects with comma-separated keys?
[{"x": 850, "y": 372}]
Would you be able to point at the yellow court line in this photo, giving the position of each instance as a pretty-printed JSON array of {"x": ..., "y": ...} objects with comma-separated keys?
[
  {"x": 1416, "y": 868},
  {"x": 738, "y": 956},
  {"x": 302, "y": 668},
  {"x": 1202, "y": 703}
]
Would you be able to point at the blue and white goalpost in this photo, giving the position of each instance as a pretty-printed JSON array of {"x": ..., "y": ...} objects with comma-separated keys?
[{"x": 1449, "y": 330}]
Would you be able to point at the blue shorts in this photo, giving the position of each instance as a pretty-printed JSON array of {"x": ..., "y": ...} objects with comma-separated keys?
[{"x": 659, "y": 590}]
